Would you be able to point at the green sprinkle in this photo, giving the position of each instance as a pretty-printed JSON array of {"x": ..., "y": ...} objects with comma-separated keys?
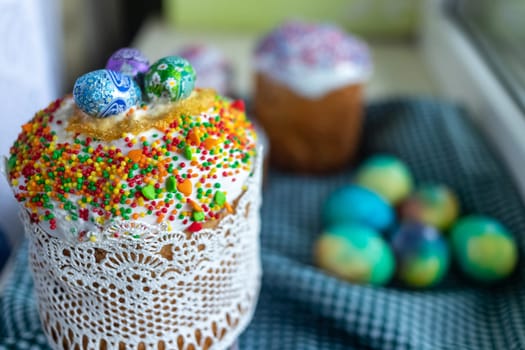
[
  {"x": 171, "y": 184},
  {"x": 187, "y": 153},
  {"x": 149, "y": 192},
  {"x": 219, "y": 198},
  {"x": 198, "y": 216},
  {"x": 217, "y": 185}
]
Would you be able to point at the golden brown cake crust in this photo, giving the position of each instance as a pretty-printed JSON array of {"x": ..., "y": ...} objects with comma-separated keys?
[{"x": 309, "y": 135}]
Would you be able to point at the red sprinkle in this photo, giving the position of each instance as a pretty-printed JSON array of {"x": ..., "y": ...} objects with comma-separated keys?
[{"x": 195, "y": 227}]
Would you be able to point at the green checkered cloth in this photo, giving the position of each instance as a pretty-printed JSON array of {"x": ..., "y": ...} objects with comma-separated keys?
[{"x": 301, "y": 307}]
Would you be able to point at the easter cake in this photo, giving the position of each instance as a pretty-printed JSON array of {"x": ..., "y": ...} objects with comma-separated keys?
[
  {"x": 140, "y": 198},
  {"x": 308, "y": 95}
]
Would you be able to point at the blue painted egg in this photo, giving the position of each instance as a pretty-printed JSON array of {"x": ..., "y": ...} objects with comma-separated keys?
[
  {"x": 103, "y": 93},
  {"x": 128, "y": 61},
  {"x": 171, "y": 78},
  {"x": 435, "y": 205},
  {"x": 422, "y": 254},
  {"x": 386, "y": 175},
  {"x": 357, "y": 204},
  {"x": 484, "y": 249},
  {"x": 355, "y": 253}
]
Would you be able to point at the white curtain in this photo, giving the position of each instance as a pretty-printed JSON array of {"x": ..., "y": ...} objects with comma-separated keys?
[{"x": 30, "y": 76}]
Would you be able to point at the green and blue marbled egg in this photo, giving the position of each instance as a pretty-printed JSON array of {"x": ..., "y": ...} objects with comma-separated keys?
[
  {"x": 386, "y": 175},
  {"x": 432, "y": 204},
  {"x": 355, "y": 253},
  {"x": 422, "y": 254},
  {"x": 356, "y": 204},
  {"x": 484, "y": 249}
]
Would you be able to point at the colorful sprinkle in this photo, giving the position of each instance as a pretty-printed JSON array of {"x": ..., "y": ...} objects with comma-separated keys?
[
  {"x": 171, "y": 184},
  {"x": 87, "y": 179},
  {"x": 149, "y": 192},
  {"x": 219, "y": 198},
  {"x": 185, "y": 187}
]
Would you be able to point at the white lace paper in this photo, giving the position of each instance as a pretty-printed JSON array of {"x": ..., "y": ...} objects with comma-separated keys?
[{"x": 165, "y": 291}]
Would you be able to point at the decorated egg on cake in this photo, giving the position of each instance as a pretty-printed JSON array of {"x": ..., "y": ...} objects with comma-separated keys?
[
  {"x": 484, "y": 249},
  {"x": 386, "y": 175},
  {"x": 357, "y": 204},
  {"x": 171, "y": 78},
  {"x": 435, "y": 205},
  {"x": 129, "y": 61},
  {"x": 103, "y": 93},
  {"x": 355, "y": 253},
  {"x": 423, "y": 256}
]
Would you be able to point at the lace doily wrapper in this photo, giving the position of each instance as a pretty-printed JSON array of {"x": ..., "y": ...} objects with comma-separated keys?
[{"x": 167, "y": 291}]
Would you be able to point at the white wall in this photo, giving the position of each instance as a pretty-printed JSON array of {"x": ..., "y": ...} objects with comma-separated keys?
[{"x": 30, "y": 75}]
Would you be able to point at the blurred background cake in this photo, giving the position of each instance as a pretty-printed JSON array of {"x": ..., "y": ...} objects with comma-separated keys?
[
  {"x": 141, "y": 208},
  {"x": 214, "y": 69},
  {"x": 309, "y": 94}
]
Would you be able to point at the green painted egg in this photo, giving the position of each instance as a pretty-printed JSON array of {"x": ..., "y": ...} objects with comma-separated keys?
[
  {"x": 171, "y": 78},
  {"x": 355, "y": 253},
  {"x": 484, "y": 249},
  {"x": 386, "y": 175},
  {"x": 435, "y": 205}
]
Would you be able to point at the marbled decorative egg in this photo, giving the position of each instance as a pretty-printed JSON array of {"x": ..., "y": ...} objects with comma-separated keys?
[
  {"x": 356, "y": 253},
  {"x": 386, "y": 175},
  {"x": 103, "y": 93},
  {"x": 171, "y": 78},
  {"x": 128, "y": 61},
  {"x": 352, "y": 203},
  {"x": 423, "y": 256},
  {"x": 435, "y": 205},
  {"x": 484, "y": 249}
]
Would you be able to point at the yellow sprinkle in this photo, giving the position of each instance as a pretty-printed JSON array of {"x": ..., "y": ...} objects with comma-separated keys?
[{"x": 93, "y": 239}]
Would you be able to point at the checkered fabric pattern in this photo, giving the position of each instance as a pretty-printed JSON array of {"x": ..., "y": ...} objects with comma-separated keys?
[{"x": 301, "y": 307}]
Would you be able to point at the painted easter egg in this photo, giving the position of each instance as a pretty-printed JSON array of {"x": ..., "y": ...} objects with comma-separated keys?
[
  {"x": 355, "y": 253},
  {"x": 171, "y": 78},
  {"x": 484, "y": 249},
  {"x": 357, "y": 204},
  {"x": 386, "y": 175},
  {"x": 422, "y": 254},
  {"x": 129, "y": 61},
  {"x": 103, "y": 93},
  {"x": 435, "y": 205}
]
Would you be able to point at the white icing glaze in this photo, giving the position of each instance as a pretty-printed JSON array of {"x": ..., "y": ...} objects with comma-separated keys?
[
  {"x": 313, "y": 82},
  {"x": 68, "y": 229}
]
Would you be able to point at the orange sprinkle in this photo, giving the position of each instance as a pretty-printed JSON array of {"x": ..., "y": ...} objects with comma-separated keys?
[
  {"x": 185, "y": 187},
  {"x": 135, "y": 216},
  {"x": 195, "y": 205},
  {"x": 27, "y": 127},
  {"x": 193, "y": 137},
  {"x": 228, "y": 207},
  {"x": 210, "y": 142},
  {"x": 135, "y": 155},
  {"x": 160, "y": 218}
]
